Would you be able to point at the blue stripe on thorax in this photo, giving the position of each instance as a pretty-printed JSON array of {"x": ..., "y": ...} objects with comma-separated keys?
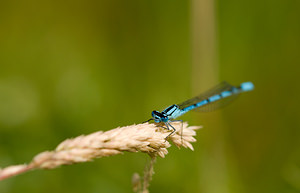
[
  {"x": 170, "y": 110},
  {"x": 178, "y": 112},
  {"x": 173, "y": 112}
]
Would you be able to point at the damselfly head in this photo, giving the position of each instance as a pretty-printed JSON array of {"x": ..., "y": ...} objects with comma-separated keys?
[
  {"x": 156, "y": 116},
  {"x": 159, "y": 117}
]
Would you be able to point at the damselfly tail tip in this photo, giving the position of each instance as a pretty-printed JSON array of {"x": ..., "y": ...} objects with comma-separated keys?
[{"x": 247, "y": 86}]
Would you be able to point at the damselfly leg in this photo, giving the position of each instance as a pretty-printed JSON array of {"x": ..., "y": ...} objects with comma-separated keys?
[{"x": 181, "y": 128}]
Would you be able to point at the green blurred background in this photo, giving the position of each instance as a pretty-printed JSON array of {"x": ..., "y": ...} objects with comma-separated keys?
[{"x": 74, "y": 67}]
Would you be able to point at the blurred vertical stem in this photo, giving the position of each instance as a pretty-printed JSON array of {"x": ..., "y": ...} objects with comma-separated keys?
[
  {"x": 205, "y": 73},
  {"x": 204, "y": 44}
]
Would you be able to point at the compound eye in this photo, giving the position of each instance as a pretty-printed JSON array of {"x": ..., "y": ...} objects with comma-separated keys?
[{"x": 153, "y": 113}]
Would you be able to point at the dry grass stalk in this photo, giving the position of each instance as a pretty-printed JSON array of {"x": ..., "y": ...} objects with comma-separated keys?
[
  {"x": 147, "y": 138},
  {"x": 141, "y": 185}
]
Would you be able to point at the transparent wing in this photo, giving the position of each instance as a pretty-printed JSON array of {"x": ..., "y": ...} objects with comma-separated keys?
[{"x": 223, "y": 86}]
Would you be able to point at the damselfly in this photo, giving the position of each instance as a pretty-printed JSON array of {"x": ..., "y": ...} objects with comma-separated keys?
[{"x": 214, "y": 98}]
